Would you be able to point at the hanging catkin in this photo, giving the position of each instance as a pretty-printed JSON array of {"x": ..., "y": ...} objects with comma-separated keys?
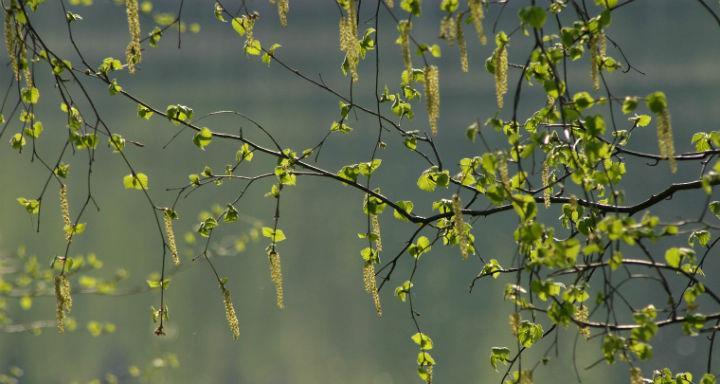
[
  {"x": 63, "y": 299},
  {"x": 477, "y": 15},
  {"x": 448, "y": 29},
  {"x": 404, "y": 27},
  {"x": 598, "y": 51},
  {"x": 230, "y": 314},
  {"x": 501, "y": 70},
  {"x": 657, "y": 103},
  {"x": 283, "y": 7},
  {"x": 170, "y": 232},
  {"x": 375, "y": 228},
  {"x": 462, "y": 45},
  {"x": 547, "y": 189},
  {"x": 432, "y": 96},
  {"x": 133, "y": 52},
  {"x": 348, "y": 39},
  {"x": 277, "y": 277},
  {"x": 11, "y": 42},
  {"x": 459, "y": 226},
  {"x": 371, "y": 285},
  {"x": 65, "y": 210}
]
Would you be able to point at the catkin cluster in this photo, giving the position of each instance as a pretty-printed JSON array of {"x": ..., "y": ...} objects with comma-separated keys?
[
  {"x": 432, "y": 96},
  {"x": 65, "y": 210},
  {"x": 230, "y": 314},
  {"x": 404, "y": 27},
  {"x": 448, "y": 29},
  {"x": 348, "y": 39},
  {"x": 504, "y": 173},
  {"x": 277, "y": 277},
  {"x": 547, "y": 189},
  {"x": 477, "y": 15},
  {"x": 501, "y": 72},
  {"x": 462, "y": 45},
  {"x": 459, "y": 226},
  {"x": 133, "y": 52},
  {"x": 370, "y": 284},
  {"x": 63, "y": 300},
  {"x": 598, "y": 50},
  {"x": 170, "y": 232}
]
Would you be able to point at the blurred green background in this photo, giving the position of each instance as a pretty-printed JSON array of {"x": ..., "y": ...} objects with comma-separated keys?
[{"x": 328, "y": 332}]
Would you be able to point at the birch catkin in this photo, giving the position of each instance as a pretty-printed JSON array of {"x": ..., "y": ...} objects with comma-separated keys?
[
  {"x": 432, "y": 96},
  {"x": 598, "y": 50},
  {"x": 133, "y": 52},
  {"x": 404, "y": 27},
  {"x": 477, "y": 15},
  {"x": 348, "y": 39},
  {"x": 230, "y": 314},
  {"x": 501, "y": 70},
  {"x": 459, "y": 226},
  {"x": 462, "y": 45},
  {"x": 11, "y": 42},
  {"x": 170, "y": 232},
  {"x": 547, "y": 191},
  {"x": 63, "y": 299},
  {"x": 283, "y": 7},
  {"x": 657, "y": 103},
  {"x": 375, "y": 228},
  {"x": 277, "y": 277},
  {"x": 371, "y": 285},
  {"x": 65, "y": 210}
]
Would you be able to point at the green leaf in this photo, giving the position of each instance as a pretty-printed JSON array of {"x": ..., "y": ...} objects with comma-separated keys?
[
  {"x": 275, "y": 236},
  {"x": 499, "y": 355},
  {"x": 534, "y": 16},
  {"x": 32, "y": 206},
  {"x": 139, "y": 181},
  {"x": 203, "y": 138},
  {"x": 405, "y": 205},
  {"x": 35, "y": 130},
  {"x": 423, "y": 340},
  {"x": 30, "y": 95},
  {"x": 144, "y": 112},
  {"x": 253, "y": 47},
  {"x": 656, "y": 102}
]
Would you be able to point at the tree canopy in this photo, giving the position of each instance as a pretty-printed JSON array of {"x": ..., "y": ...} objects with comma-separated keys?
[{"x": 588, "y": 258}]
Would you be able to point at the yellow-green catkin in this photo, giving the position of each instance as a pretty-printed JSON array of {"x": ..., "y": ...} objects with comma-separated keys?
[
  {"x": 170, "y": 232},
  {"x": 230, "y": 314},
  {"x": 63, "y": 299},
  {"x": 11, "y": 42},
  {"x": 547, "y": 189},
  {"x": 598, "y": 51},
  {"x": 65, "y": 211},
  {"x": 666, "y": 142},
  {"x": 459, "y": 226},
  {"x": 448, "y": 29},
  {"x": 462, "y": 45},
  {"x": 277, "y": 277},
  {"x": 283, "y": 6},
  {"x": 514, "y": 323},
  {"x": 390, "y": 3},
  {"x": 501, "y": 72},
  {"x": 375, "y": 228},
  {"x": 371, "y": 285},
  {"x": 636, "y": 376},
  {"x": 477, "y": 15},
  {"x": 404, "y": 27},
  {"x": 348, "y": 39},
  {"x": 432, "y": 96},
  {"x": 133, "y": 52},
  {"x": 581, "y": 314},
  {"x": 504, "y": 173}
]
